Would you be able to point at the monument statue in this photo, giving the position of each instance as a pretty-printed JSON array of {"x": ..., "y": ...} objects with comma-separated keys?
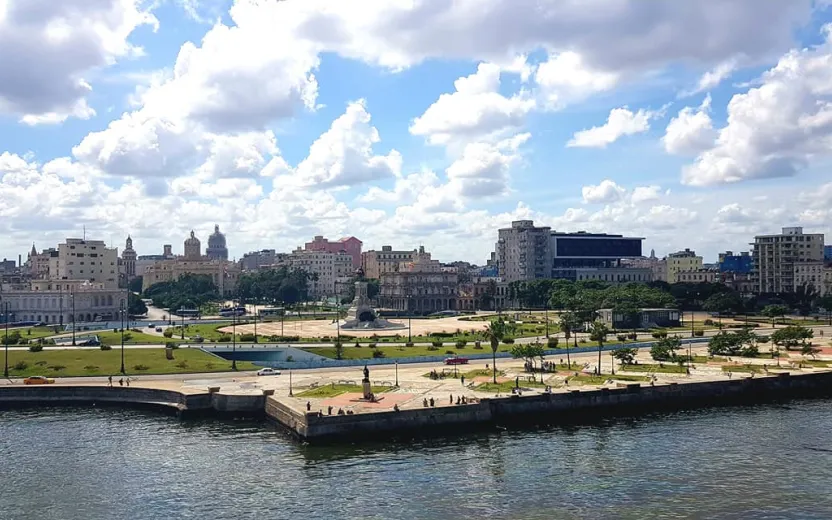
[
  {"x": 366, "y": 373},
  {"x": 367, "y": 389},
  {"x": 361, "y": 314}
]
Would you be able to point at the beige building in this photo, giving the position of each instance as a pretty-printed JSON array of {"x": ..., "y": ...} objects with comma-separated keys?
[
  {"x": 524, "y": 252},
  {"x": 376, "y": 263},
  {"x": 224, "y": 274},
  {"x": 420, "y": 285},
  {"x": 698, "y": 276},
  {"x": 80, "y": 259},
  {"x": 809, "y": 274},
  {"x": 779, "y": 258},
  {"x": 826, "y": 285},
  {"x": 38, "y": 264},
  {"x": 333, "y": 270},
  {"x": 61, "y": 302},
  {"x": 682, "y": 261}
]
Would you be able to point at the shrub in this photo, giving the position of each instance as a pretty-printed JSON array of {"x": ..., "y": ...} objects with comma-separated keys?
[
  {"x": 378, "y": 354},
  {"x": 357, "y": 345},
  {"x": 225, "y": 338},
  {"x": 115, "y": 329},
  {"x": 21, "y": 365},
  {"x": 36, "y": 348},
  {"x": 461, "y": 343},
  {"x": 699, "y": 333},
  {"x": 708, "y": 322},
  {"x": 91, "y": 368},
  {"x": 552, "y": 342},
  {"x": 171, "y": 344},
  {"x": 182, "y": 364},
  {"x": 433, "y": 348},
  {"x": 659, "y": 334},
  {"x": 57, "y": 368},
  {"x": 40, "y": 363},
  {"x": 478, "y": 345},
  {"x": 371, "y": 345},
  {"x": 168, "y": 333},
  {"x": 622, "y": 338},
  {"x": 127, "y": 336},
  {"x": 437, "y": 343},
  {"x": 288, "y": 339},
  {"x": 105, "y": 347},
  {"x": 248, "y": 336},
  {"x": 441, "y": 334},
  {"x": 141, "y": 368},
  {"x": 508, "y": 341},
  {"x": 449, "y": 352},
  {"x": 408, "y": 344},
  {"x": 633, "y": 336}
]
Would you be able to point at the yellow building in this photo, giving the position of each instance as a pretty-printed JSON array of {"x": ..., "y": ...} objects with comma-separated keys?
[{"x": 682, "y": 261}]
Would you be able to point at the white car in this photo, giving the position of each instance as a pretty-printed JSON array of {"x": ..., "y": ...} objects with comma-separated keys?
[{"x": 268, "y": 372}]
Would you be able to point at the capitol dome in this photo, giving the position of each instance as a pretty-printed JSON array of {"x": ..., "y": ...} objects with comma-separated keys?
[{"x": 217, "y": 249}]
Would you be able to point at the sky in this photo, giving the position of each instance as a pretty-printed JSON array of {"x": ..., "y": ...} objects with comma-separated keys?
[{"x": 413, "y": 122}]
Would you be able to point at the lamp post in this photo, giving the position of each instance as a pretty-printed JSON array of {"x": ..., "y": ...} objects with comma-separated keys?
[
  {"x": 409, "y": 316},
  {"x": 692, "y": 322},
  {"x": 6, "y": 342},
  {"x": 182, "y": 328},
  {"x": 72, "y": 301},
  {"x": 338, "y": 317},
  {"x": 233, "y": 338},
  {"x": 61, "y": 304},
  {"x": 122, "y": 310},
  {"x": 546, "y": 307},
  {"x": 397, "y": 374},
  {"x": 290, "y": 384},
  {"x": 255, "y": 323}
]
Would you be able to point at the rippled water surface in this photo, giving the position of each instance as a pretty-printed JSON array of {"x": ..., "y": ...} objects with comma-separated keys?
[{"x": 763, "y": 462}]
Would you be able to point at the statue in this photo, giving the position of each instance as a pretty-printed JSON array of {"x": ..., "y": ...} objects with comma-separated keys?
[
  {"x": 367, "y": 390},
  {"x": 366, "y": 373}
]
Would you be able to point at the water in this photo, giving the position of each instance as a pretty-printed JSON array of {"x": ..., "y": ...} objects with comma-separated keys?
[{"x": 761, "y": 462}]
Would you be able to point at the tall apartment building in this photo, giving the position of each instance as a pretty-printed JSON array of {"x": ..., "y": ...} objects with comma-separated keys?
[
  {"x": 80, "y": 259},
  {"x": 349, "y": 245},
  {"x": 682, "y": 261},
  {"x": 524, "y": 251},
  {"x": 778, "y": 257},
  {"x": 376, "y": 263},
  {"x": 255, "y": 260},
  {"x": 333, "y": 270}
]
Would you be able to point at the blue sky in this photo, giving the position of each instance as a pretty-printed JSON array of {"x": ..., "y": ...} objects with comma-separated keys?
[{"x": 696, "y": 126}]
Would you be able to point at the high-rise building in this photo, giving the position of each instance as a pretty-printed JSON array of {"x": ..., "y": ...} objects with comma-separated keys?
[
  {"x": 524, "y": 251},
  {"x": 682, "y": 261},
  {"x": 258, "y": 259},
  {"x": 128, "y": 261},
  {"x": 777, "y": 258},
  {"x": 332, "y": 270},
  {"x": 217, "y": 249},
  {"x": 349, "y": 245},
  {"x": 596, "y": 256},
  {"x": 375, "y": 263},
  {"x": 81, "y": 259}
]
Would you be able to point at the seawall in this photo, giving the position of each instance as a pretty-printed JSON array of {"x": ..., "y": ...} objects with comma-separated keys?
[
  {"x": 552, "y": 408},
  {"x": 180, "y": 403}
]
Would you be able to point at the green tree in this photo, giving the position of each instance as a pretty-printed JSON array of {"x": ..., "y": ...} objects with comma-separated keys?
[
  {"x": 495, "y": 332},
  {"x": 825, "y": 302},
  {"x": 339, "y": 349},
  {"x": 598, "y": 332},
  {"x": 567, "y": 322},
  {"x": 625, "y": 355},
  {"x": 665, "y": 349},
  {"x": 792, "y": 336},
  {"x": 135, "y": 305},
  {"x": 135, "y": 284},
  {"x": 809, "y": 350},
  {"x": 723, "y": 303},
  {"x": 774, "y": 312}
]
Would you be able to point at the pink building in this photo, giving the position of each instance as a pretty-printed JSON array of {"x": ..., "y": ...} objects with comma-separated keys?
[{"x": 350, "y": 245}]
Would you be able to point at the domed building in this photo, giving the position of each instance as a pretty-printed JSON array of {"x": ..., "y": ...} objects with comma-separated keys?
[
  {"x": 217, "y": 249},
  {"x": 193, "y": 247}
]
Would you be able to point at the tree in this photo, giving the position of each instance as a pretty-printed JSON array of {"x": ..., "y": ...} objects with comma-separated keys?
[
  {"x": 625, "y": 355},
  {"x": 774, "y": 312},
  {"x": 188, "y": 290},
  {"x": 665, "y": 349},
  {"x": 567, "y": 321},
  {"x": 529, "y": 352},
  {"x": 135, "y": 284},
  {"x": 598, "y": 332},
  {"x": 135, "y": 305},
  {"x": 809, "y": 350},
  {"x": 486, "y": 300},
  {"x": 339, "y": 349},
  {"x": 791, "y": 336},
  {"x": 722, "y": 303},
  {"x": 825, "y": 302},
  {"x": 495, "y": 332}
]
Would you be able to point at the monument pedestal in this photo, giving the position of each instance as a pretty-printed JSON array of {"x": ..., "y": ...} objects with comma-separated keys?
[{"x": 368, "y": 393}]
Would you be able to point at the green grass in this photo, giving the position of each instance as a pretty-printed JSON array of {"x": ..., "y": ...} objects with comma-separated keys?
[
  {"x": 209, "y": 331},
  {"x": 480, "y": 372},
  {"x": 752, "y": 369},
  {"x": 659, "y": 369},
  {"x": 591, "y": 379},
  {"x": 88, "y": 362},
  {"x": 31, "y": 333},
  {"x": 813, "y": 363},
  {"x": 332, "y": 390},
  {"x": 506, "y": 386},
  {"x": 365, "y": 352},
  {"x": 109, "y": 337},
  {"x": 707, "y": 359}
]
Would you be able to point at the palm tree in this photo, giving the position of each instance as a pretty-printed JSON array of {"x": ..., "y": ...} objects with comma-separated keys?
[
  {"x": 598, "y": 332},
  {"x": 567, "y": 322},
  {"x": 496, "y": 332}
]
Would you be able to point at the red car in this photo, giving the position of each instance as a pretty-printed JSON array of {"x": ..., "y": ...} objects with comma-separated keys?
[{"x": 456, "y": 361}]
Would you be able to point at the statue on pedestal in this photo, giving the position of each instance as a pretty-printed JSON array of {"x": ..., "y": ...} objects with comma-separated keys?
[
  {"x": 366, "y": 373},
  {"x": 365, "y": 385}
]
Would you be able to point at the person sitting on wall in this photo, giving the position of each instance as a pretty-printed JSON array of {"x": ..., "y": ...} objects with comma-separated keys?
[
  {"x": 425, "y": 402},
  {"x": 395, "y": 407},
  {"x": 432, "y": 402}
]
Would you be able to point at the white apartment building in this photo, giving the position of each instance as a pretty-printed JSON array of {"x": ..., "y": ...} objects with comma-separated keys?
[
  {"x": 778, "y": 259},
  {"x": 332, "y": 270},
  {"x": 524, "y": 251},
  {"x": 80, "y": 259},
  {"x": 60, "y": 302}
]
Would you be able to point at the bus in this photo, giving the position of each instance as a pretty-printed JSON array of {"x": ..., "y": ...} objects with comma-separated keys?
[
  {"x": 265, "y": 312},
  {"x": 227, "y": 312},
  {"x": 187, "y": 313}
]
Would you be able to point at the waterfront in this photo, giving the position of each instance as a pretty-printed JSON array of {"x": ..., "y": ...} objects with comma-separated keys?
[{"x": 770, "y": 461}]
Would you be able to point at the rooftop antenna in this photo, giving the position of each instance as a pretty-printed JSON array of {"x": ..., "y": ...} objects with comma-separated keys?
[{"x": 85, "y": 233}]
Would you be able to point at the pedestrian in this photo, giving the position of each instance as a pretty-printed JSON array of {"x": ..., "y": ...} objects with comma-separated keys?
[
  {"x": 121, "y": 382},
  {"x": 329, "y": 411},
  {"x": 110, "y": 380},
  {"x": 432, "y": 402},
  {"x": 452, "y": 398},
  {"x": 462, "y": 379},
  {"x": 308, "y": 406},
  {"x": 128, "y": 381},
  {"x": 425, "y": 402}
]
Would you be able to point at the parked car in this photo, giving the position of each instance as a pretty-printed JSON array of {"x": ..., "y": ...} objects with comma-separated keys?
[
  {"x": 38, "y": 380},
  {"x": 150, "y": 325},
  {"x": 158, "y": 329},
  {"x": 268, "y": 372},
  {"x": 456, "y": 360}
]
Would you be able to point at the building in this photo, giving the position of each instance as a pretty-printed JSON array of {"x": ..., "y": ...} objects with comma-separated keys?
[
  {"x": 81, "y": 259},
  {"x": 827, "y": 282},
  {"x": 698, "y": 276},
  {"x": 8, "y": 266},
  {"x": 258, "y": 259},
  {"x": 524, "y": 251},
  {"x": 217, "y": 249},
  {"x": 332, "y": 270},
  {"x": 730, "y": 263},
  {"x": 62, "y": 301},
  {"x": 647, "y": 318},
  {"x": 419, "y": 286},
  {"x": 596, "y": 256},
  {"x": 827, "y": 253},
  {"x": 682, "y": 261},
  {"x": 809, "y": 275},
  {"x": 37, "y": 264},
  {"x": 223, "y": 273},
  {"x": 376, "y": 263},
  {"x": 740, "y": 282},
  {"x": 349, "y": 245},
  {"x": 128, "y": 262},
  {"x": 775, "y": 258}
]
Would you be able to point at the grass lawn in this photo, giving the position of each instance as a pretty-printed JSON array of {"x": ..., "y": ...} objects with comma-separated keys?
[
  {"x": 591, "y": 379},
  {"x": 812, "y": 362},
  {"x": 88, "y": 362},
  {"x": 506, "y": 386},
  {"x": 659, "y": 369},
  {"x": 480, "y": 372},
  {"x": 364, "y": 352},
  {"x": 108, "y": 337},
  {"x": 331, "y": 390},
  {"x": 752, "y": 369},
  {"x": 207, "y": 330},
  {"x": 30, "y": 333},
  {"x": 707, "y": 359}
]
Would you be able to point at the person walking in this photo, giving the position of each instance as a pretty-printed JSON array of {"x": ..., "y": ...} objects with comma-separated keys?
[{"x": 110, "y": 380}]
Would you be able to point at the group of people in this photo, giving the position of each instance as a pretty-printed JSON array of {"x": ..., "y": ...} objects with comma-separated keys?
[{"x": 121, "y": 381}]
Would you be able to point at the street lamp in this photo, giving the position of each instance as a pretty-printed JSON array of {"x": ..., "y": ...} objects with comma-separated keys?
[
  {"x": 546, "y": 307},
  {"x": 338, "y": 316},
  {"x": 233, "y": 338},
  {"x": 255, "y": 323},
  {"x": 182, "y": 328},
  {"x": 6, "y": 369},
  {"x": 122, "y": 311},
  {"x": 72, "y": 301},
  {"x": 409, "y": 317},
  {"x": 61, "y": 304},
  {"x": 290, "y": 383},
  {"x": 397, "y": 374}
]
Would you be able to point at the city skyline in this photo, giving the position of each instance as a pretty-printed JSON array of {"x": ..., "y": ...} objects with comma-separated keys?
[{"x": 155, "y": 125}]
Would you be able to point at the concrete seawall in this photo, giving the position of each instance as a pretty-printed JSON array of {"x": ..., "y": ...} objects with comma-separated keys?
[
  {"x": 166, "y": 400},
  {"x": 577, "y": 404}
]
